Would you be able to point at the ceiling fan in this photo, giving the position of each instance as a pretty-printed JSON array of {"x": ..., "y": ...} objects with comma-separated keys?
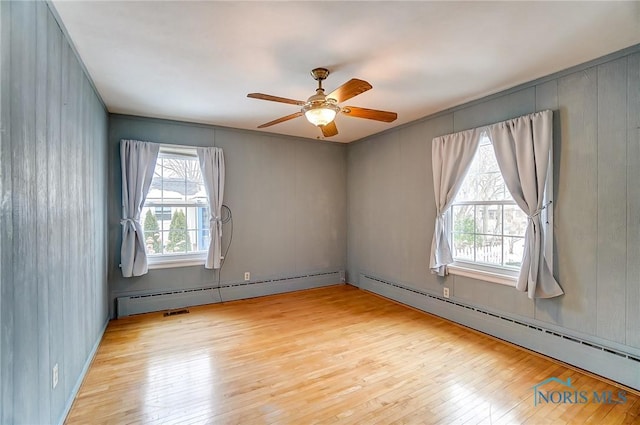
[{"x": 321, "y": 109}]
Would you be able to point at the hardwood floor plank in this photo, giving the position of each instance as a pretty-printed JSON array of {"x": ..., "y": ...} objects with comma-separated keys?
[{"x": 323, "y": 356}]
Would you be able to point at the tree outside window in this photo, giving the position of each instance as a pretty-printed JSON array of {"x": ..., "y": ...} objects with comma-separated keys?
[
  {"x": 178, "y": 240},
  {"x": 152, "y": 234}
]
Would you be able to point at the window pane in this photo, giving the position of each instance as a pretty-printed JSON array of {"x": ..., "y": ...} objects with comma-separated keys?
[
  {"x": 178, "y": 239},
  {"x": 488, "y": 180},
  {"x": 151, "y": 229},
  {"x": 203, "y": 240},
  {"x": 176, "y": 180},
  {"x": 489, "y": 219},
  {"x": 173, "y": 180},
  {"x": 486, "y": 157},
  {"x": 468, "y": 190},
  {"x": 164, "y": 235},
  {"x": 165, "y": 218},
  {"x": 515, "y": 221},
  {"x": 483, "y": 181},
  {"x": 463, "y": 220},
  {"x": 201, "y": 243},
  {"x": 155, "y": 190},
  {"x": 463, "y": 246},
  {"x": 193, "y": 239},
  {"x": 464, "y": 232},
  {"x": 490, "y": 186},
  {"x": 489, "y": 249},
  {"x": 513, "y": 250},
  {"x": 196, "y": 193}
]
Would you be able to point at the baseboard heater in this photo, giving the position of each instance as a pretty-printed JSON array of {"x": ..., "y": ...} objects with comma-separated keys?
[
  {"x": 609, "y": 362},
  {"x": 175, "y": 299}
]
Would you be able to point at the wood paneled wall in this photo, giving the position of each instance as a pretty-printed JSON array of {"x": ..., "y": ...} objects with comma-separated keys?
[
  {"x": 596, "y": 201},
  {"x": 53, "y": 286}
]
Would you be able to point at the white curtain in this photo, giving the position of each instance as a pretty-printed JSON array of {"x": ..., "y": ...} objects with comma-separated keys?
[
  {"x": 451, "y": 157},
  {"x": 522, "y": 147},
  {"x": 212, "y": 168},
  {"x": 138, "y": 160}
]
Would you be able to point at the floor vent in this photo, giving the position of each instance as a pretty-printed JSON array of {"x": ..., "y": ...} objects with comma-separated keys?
[
  {"x": 176, "y": 312},
  {"x": 508, "y": 319}
]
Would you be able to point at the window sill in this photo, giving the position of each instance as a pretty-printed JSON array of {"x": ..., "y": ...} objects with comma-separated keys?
[
  {"x": 167, "y": 262},
  {"x": 493, "y": 275}
]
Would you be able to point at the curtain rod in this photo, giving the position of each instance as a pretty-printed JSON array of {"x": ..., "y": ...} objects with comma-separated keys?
[
  {"x": 171, "y": 145},
  {"x": 174, "y": 146}
]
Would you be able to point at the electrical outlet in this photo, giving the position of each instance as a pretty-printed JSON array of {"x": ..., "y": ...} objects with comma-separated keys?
[
  {"x": 55, "y": 375},
  {"x": 445, "y": 292},
  {"x": 247, "y": 276}
]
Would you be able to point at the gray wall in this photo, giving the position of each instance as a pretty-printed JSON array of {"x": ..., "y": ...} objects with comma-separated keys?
[
  {"x": 596, "y": 204},
  {"x": 287, "y": 196},
  {"x": 289, "y": 201},
  {"x": 53, "y": 287}
]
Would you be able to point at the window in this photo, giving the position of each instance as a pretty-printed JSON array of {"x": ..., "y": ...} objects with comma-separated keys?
[
  {"x": 175, "y": 217},
  {"x": 487, "y": 227}
]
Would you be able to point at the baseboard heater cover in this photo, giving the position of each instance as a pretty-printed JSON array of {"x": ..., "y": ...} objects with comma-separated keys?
[
  {"x": 181, "y": 298},
  {"x": 606, "y": 361}
]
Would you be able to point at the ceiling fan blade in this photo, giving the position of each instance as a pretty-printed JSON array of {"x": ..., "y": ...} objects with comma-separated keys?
[
  {"x": 370, "y": 114},
  {"x": 350, "y": 89},
  {"x": 275, "y": 98},
  {"x": 281, "y": 119},
  {"x": 329, "y": 129}
]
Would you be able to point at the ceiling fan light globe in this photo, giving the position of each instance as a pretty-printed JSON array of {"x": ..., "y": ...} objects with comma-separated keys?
[
  {"x": 320, "y": 117},
  {"x": 320, "y": 113}
]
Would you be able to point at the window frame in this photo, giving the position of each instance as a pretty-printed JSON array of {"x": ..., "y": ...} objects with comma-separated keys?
[
  {"x": 194, "y": 258},
  {"x": 498, "y": 274}
]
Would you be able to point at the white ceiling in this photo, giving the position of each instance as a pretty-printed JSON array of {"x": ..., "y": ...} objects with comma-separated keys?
[{"x": 196, "y": 61}]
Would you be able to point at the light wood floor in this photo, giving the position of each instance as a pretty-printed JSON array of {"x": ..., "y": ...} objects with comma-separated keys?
[{"x": 330, "y": 355}]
